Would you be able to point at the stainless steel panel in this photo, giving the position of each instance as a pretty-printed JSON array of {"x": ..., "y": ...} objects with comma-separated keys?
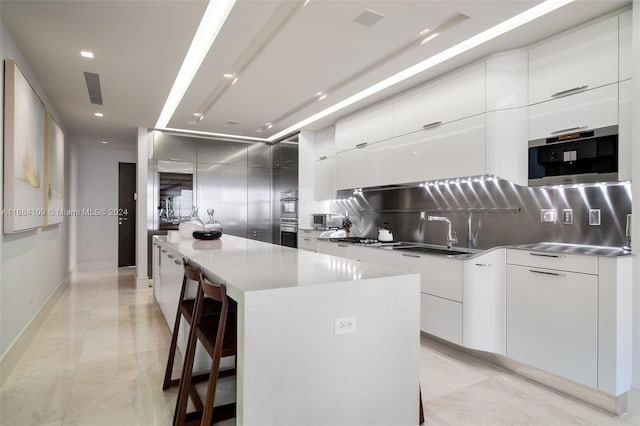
[
  {"x": 488, "y": 212},
  {"x": 259, "y": 204},
  {"x": 223, "y": 152},
  {"x": 224, "y": 189},
  {"x": 173, "y": 148}
]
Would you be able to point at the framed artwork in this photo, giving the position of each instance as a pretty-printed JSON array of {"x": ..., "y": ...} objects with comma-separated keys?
[
  {"x": 23, "y": 153},
  {"x": 53, "y": 171}
]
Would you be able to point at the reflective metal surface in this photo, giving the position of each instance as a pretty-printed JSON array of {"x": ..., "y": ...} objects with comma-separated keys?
[{"x": 487, "y": 212}]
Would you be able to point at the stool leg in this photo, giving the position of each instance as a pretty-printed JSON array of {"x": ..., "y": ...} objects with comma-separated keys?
[
  {"x": 421, "y": 409},
  {"x": 174, "y": 341}
]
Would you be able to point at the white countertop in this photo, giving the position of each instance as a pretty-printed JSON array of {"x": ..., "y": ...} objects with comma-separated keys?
[{"x": 249, "y": 265}]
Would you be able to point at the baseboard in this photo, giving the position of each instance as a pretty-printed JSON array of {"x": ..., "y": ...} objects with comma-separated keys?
[{"x": 16, "y": 349}]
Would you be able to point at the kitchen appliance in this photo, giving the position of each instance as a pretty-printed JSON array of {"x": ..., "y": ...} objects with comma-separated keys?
[
  {"x": 385, "y": 234},
  {"x": 577, "y": 157},
  {"x": 289, "y": 204},
  {"x": 327, "y": 220},
  {"x": 289, "y": 232},
  {"x": 362, "y": 241}
]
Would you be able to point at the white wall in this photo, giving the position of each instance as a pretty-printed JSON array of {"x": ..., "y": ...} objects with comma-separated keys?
[
  {"x": 635, "y": 134},
  {"x": 97, "y": 188},
  {"x": 34, "y": 263}
]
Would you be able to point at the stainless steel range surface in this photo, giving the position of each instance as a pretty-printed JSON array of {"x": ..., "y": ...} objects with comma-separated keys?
[{"x": 360, "y": 241}]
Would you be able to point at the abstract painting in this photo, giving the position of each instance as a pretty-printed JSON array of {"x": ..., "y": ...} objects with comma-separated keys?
[
  {"x": 53, "y": 171},
  {"x": 23, "y": 153}
]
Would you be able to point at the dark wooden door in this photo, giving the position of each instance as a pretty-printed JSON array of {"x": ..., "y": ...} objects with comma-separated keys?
[{"x": 127, "y": 214}]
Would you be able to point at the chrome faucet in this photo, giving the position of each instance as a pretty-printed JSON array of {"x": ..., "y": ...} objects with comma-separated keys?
[{"x": 451, "y": 236}]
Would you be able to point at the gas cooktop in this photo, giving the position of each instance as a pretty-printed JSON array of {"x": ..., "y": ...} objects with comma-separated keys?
[{"x": 362, "y": 241}]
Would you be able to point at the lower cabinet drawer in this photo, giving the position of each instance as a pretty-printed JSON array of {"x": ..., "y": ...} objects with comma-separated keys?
[
  {"x": 559, "y": 261},
  {"x": 309, "y": 244},
  {"x": 441, "y": 317}
]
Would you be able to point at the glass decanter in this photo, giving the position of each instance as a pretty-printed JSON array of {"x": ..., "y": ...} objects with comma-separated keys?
[
  {"x": 194, "y": 223},
  {"x": 212, "y": 225}
]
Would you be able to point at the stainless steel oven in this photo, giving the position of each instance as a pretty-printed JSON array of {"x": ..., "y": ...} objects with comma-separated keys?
[
  {"x": 289, "y": 232},
  {"x": 289, "y": 204}
]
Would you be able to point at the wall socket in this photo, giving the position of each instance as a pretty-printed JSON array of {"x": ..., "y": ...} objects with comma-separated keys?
[
  {"x": 345, "y": 325},
  {"x": 567, "y": 216},
  {"x": 548, "y": 215},
  {"x": 594, "y": 217}
]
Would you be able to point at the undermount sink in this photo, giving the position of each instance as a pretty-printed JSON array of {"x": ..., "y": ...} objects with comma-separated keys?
[{"x": 434, "y": 250}]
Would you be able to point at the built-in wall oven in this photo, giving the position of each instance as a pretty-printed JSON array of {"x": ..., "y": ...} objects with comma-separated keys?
[{"x": 289, "y": 218}]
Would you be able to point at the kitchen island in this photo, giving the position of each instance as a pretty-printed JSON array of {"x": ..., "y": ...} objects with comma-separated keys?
[{"x": 321, "y": 339}]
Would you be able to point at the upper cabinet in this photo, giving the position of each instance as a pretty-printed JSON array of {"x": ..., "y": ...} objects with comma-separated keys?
[
  {"x": 324, "y": 165},
  {"x": 371, "y": 125},
  {"x": 625, "y": 108},
  {"x": 624, "y": 48},
  {"x": 324, "y": 145},
  {"x": 506, "y": 79},
  {"x": 576, "y": 61},
  {"x": 456, "y": 96},
  {"x": 591, "y": 109}
]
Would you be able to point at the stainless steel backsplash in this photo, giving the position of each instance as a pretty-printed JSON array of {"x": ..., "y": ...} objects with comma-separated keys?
[{"x": 488, "y": 212}]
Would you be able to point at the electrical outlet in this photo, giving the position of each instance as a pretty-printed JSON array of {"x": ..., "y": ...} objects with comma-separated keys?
[
  {"x": 567, "y": 216},
  {"x": 345, "y": 325},
  {"x": 594, "y": 217},
  {"x": 548, "y": 215}
]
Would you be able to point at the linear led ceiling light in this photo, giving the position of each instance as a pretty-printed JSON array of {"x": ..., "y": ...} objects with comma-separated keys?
[
  {"x": 214, "y": 17},
  {"x": 468, "y": 44}
]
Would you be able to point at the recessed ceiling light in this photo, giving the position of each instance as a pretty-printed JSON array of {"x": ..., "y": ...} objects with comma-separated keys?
[
  {"x": 429, "y": 38},
  {"x": 319, "y": 94},
  {"x": 268, "y": 125},
  {"x": 489, "y": 34},
  {"x": 98, "y": 114},
  {"x": 423, "y": 32},
  {"x": 228, "y": 75},
  {"x": 321, "y": 97},
  {"x": 235, "y": 80},
  {"x": 212, "y": 21},
  {"x": 258, "y": 130},
  {"x": 197, "y": 114},
  {"x": 86, "y": 54},
  {"x": 104, "y": 142}
]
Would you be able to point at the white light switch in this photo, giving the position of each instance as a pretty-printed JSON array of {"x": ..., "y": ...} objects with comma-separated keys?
[
  {"x": 594, "y": 217},
  {"x": 548, "y": 216}
]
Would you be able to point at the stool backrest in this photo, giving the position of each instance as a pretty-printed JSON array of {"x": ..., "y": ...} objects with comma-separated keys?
[{"x": 191, "y": 272}]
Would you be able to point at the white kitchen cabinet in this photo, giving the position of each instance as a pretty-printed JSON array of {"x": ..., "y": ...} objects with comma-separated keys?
[
  {"x": 625, "y": 54},
  {"x": 324, "y": 179},
  {"x": 582, "y": 59},
  {"x": 506, "y": 79},
  {"x": 167, "y": 147},
  {"x": 507, "y": 145},
  {"x": 324, "y": 144},
  {"x": 367, "y": 126},
  {"x": 458, "y": 95},
  {"x": 624, "y": 128},
  {"x": 439, "y": 275},
  {"x": 308, "y": 239},
  {"x": 558, "y": 261},
  {"x": 441, "y": 317},
  {"x": 483, "y": 308},
  {"x": 449, "y": 150},
  {"x": 576, "y": 113},
  {"x": 552, "y": 321}
]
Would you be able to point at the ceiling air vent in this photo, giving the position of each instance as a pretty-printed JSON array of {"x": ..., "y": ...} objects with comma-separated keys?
[
  {"x": 93, "y": 87},
  {"x": 233, "y": 122},
  {"x": 369, "y": 18}
]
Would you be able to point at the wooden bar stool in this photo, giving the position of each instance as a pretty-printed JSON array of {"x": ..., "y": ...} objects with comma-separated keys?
[
  {"x": 218, "y": 336},
  {"x": 211, "y": 308}
]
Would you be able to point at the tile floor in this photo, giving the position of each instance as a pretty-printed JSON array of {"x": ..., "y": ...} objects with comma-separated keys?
[{"x": 99, "y": 359}]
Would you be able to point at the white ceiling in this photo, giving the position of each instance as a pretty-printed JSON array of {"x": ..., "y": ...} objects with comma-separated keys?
[{"x": 139, "y": 47}]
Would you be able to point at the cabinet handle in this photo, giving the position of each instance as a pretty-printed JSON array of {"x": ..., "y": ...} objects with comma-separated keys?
[
  {"x": 176, "y": 159},
  {"x": 324, "y": 157},
  {"x": 555, "y": 274},
  {"x": 410, "y": 255},
  {"x": 362, "y": 145},
  {"x": 164, "y": 251},
  {"x": 343, "y": 245},
  {"x": 307, "y": 239},
  {"x": 178, "y": 262},
  {"x": 569, "y": 91},
  {"x": 169, "y": 256},
  {"x": 570, "y": 129},
  {"x": 557, "y": 256},
  {"x": 483, "y": 264},
  {"x": 432, "y": 125}
]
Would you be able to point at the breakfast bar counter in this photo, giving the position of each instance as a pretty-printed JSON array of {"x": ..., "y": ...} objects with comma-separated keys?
[{"x": 321, "y": 339}]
